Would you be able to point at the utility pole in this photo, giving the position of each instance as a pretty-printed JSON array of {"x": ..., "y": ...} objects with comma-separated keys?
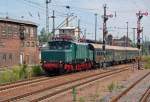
[
  {"x": 85, "y": 33},
  {"x": 142, "y": 41},
  {"x": 95, "y": 25},
  {"x": 134, "y": 35},
  {"x": 78, "y": 29},
  {"x": 47, "y": 16},
  {"x": 53, "y": 17},
  {"x": 127, "y": 35},
  {"x": 67, "y": 19}
]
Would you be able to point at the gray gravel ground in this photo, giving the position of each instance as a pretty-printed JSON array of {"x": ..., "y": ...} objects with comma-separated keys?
[{"x": 135, "y": 94}]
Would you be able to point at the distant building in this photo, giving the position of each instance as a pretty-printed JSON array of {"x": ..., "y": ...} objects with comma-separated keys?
[
  {"x": 69, "y": 31},
  {"x": 17, "y": 48},
  {"x": 109, "y": 39},
  {"x": 122, "y": 41}
]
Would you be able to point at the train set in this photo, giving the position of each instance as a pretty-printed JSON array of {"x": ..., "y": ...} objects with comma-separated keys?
[{"x": 69, "y": 56}]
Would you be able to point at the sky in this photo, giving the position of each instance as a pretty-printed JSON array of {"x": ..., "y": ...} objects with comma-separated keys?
[{"x": 34, "y": 10}]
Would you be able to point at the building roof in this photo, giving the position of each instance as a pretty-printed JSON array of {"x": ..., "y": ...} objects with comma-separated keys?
[
  {"x": 68, "y": 28},
  {"x": 17, "y": 21}
]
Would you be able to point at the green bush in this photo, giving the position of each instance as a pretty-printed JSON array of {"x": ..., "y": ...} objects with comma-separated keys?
[
  {"x": 16, "y": 73},
  {"x": 37, "y": 70},
  {"x": 23, "y": 72}
]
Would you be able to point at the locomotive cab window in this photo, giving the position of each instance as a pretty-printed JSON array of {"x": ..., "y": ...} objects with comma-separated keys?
[{"x": 59, "y": 45}]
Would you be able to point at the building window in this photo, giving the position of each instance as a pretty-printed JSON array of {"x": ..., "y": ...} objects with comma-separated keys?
[
  {"x": 31, "y": 32},
  {"x": 9, "y": 29},
  {"x": 4, "y": 57},
  {"x": 33, "y": 44},
  {"x": 0, "y": 57},
  {"x": 10, "y": 56},
  {"x": 3, "y": 30},
  {"x": 2, "y": 44},
  {"x": 15, "y": 30},
  {"x": 28, "y": 44},
  {"x": 63, "y": 31},
  {"x": 35, "y": 32}
]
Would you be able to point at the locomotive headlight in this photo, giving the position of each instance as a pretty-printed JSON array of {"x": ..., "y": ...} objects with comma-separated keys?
[{"x": 60, "y": 61}]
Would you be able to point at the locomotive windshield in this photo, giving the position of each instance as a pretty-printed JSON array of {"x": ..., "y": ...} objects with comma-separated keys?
[{"x": 59, "y": 45}]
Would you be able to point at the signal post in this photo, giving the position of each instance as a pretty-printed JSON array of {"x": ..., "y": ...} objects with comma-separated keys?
[
  {"x": 139, "y": 30},
  {"x": 105, "y": 32}
]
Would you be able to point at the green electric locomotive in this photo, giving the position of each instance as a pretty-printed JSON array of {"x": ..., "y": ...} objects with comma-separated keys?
[{"x": 66, "y": 56}]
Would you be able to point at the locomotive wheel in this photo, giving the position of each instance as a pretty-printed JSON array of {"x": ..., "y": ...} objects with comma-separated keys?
[{"x": 61, "y": 71}]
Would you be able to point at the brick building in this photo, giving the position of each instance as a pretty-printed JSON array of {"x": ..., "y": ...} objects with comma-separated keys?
[
  {"x": 17, "y": 49},
  {"x": 122, "y": 41}
]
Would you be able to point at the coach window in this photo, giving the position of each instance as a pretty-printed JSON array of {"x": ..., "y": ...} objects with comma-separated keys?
[{"x": 97, "y": 52}]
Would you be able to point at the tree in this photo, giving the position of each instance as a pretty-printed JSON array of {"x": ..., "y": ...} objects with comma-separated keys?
[{"x": 43, "y": 37}]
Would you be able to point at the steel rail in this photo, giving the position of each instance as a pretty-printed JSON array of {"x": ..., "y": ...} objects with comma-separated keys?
[
  {"x": 145, "y": 96},
  {"x": 23, "y": 82},
  {"x": 76, "y": 85},
  {"x": 129, "y": 88},
  {"x": 61, "y": 84}
]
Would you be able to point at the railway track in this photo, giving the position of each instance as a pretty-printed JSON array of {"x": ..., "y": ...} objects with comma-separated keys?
[
  {"x": 145, "y": 96},
  {"x": 22, "y": 82},
  {"x": 74, "y": 84},
  {"x": 32, "y": 90},
  {"x": 117, "y": 98},
  {"x": 26, "y": 82}
]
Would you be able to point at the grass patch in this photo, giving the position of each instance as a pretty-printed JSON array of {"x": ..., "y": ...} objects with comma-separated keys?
[
  {"x": 114, "y": 86},
  {"x": 81, "y": 99},
  {"x": 111, "y": 87},
  {"x": 146, "y": 60},
  {"x": 6, "y": 76},
  {"x": 19, "y": 73}
]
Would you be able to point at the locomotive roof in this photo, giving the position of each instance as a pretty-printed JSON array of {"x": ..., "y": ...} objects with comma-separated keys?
[
  {"x": 99, "y": 46},
  {"x": 81, "y": 43}
]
